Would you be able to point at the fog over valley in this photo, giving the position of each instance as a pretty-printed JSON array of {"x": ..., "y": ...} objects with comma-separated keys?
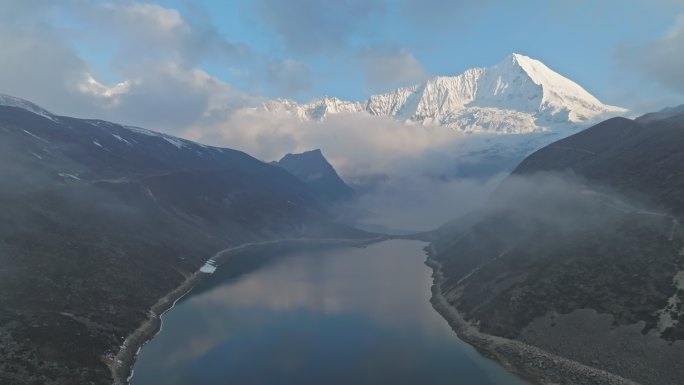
[{"x": 346, "y": 192}]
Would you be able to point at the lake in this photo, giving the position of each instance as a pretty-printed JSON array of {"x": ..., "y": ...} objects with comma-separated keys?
[{"x": 317, "y": 316}]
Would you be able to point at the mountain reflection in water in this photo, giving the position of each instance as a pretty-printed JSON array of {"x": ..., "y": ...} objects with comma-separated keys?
[{"x": 334, "y": 316}]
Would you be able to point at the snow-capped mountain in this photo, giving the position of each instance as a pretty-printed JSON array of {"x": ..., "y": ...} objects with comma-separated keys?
[
  {"x": 315, "y": 110},
  {"x": 518, "y": 95}
]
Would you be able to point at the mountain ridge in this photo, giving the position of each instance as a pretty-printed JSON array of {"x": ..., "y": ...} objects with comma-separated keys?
[
  {"x": 101, "y": 220},
  {"x": 580, "y": 252},
  {"x": 518, "y": 95},
  {"x": 312, "y": 168}
]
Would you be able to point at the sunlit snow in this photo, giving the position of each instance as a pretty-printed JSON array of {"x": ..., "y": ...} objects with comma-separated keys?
[{"x": 518, "y": 95}]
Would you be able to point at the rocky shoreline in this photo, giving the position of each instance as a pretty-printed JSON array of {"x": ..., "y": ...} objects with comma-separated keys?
[
  {"x": 121, "y": 364},
  {"x": 531, "y": 363}
]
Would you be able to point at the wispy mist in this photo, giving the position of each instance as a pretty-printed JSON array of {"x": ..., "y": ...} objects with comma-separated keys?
[{"x": 409, "y": 177}]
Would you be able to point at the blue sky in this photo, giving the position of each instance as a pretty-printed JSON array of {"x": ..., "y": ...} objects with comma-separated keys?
[
  {"x": 169, "y": 64},
  {"x": 580, "y": 39}
]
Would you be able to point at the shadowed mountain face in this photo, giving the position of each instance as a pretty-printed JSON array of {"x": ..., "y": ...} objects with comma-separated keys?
[
  {"x": 579, "y": 251},
  {"x": 101, "y": 220},
  {"x": 642, "y": 158},
  {"x": 313, "y": 169}
]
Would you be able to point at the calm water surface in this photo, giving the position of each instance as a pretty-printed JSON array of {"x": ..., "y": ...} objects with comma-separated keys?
[{"x": 340, "y": 316}]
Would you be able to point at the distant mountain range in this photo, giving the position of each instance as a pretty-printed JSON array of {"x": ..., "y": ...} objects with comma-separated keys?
[
  {"x": 518, "y": 95},
  {"x": 100, "y": 220},
  {"x": 580, "y": 252}
]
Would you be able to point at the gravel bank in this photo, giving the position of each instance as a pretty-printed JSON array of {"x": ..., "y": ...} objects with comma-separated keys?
[
  {"x": 593, "y": 339},
  {"x": 532, "y": 363},
  {"x": 121, "y": 364}
]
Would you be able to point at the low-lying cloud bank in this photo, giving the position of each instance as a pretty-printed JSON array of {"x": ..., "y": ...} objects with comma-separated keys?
[
  {"x": 355, "y": 143},
  {"x": 412, "y": 204},
  {"x": 408, "y": 177},
  {"x": 160, "y": 76}
]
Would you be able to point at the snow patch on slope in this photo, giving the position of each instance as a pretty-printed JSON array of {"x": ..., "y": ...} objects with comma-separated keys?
[
  {"x": 143, "y": 131},
  {"x": 36, "y": 136},
  {"x": 174, "y": 141},
  {"x": 119, "y": 138},
  {"x": 69, "y": 176}
]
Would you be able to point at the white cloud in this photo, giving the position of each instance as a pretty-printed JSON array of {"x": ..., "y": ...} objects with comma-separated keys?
[
  {"x": 153, "y": 65},
  {"x": 417, "y": 203},
  {"x": 357, "y": 144},
  {"x": 661, "y": 60},
  {"x": 410, "y": 177},
  {"x": 159, "y": 18},
  {"x": 110, "y": 94},
  {"x": 290, "y": 76},
  {"x": 386, "y": 68},
  {"x": 314, "y": 26},
  {"x": 139, "y": 32},
  {"x": 170, "y": 98}
]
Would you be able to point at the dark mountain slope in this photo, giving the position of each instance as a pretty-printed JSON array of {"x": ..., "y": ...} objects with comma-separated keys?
[
  {"x": 100, "y": 220},
  {"x": 639, "y": 158},
  {"x": 313, "y": 169},
  {"x": 579, "y": 252}
]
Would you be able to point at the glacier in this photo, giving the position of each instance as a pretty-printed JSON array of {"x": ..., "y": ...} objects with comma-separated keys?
[{"x": 517, "y": 96}]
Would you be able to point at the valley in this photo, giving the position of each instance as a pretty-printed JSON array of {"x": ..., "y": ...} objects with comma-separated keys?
[
  {"x": 556, "y": 253},
  {"x": 298, "y": 317},
  {"x": 306, "y": 192},
  {"x": 106, "y": 220}
]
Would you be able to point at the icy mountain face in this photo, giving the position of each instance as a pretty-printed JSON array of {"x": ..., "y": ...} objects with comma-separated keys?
[
  {"x": 315, "y": 110},
  {"x": 518, "y": 95}
]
